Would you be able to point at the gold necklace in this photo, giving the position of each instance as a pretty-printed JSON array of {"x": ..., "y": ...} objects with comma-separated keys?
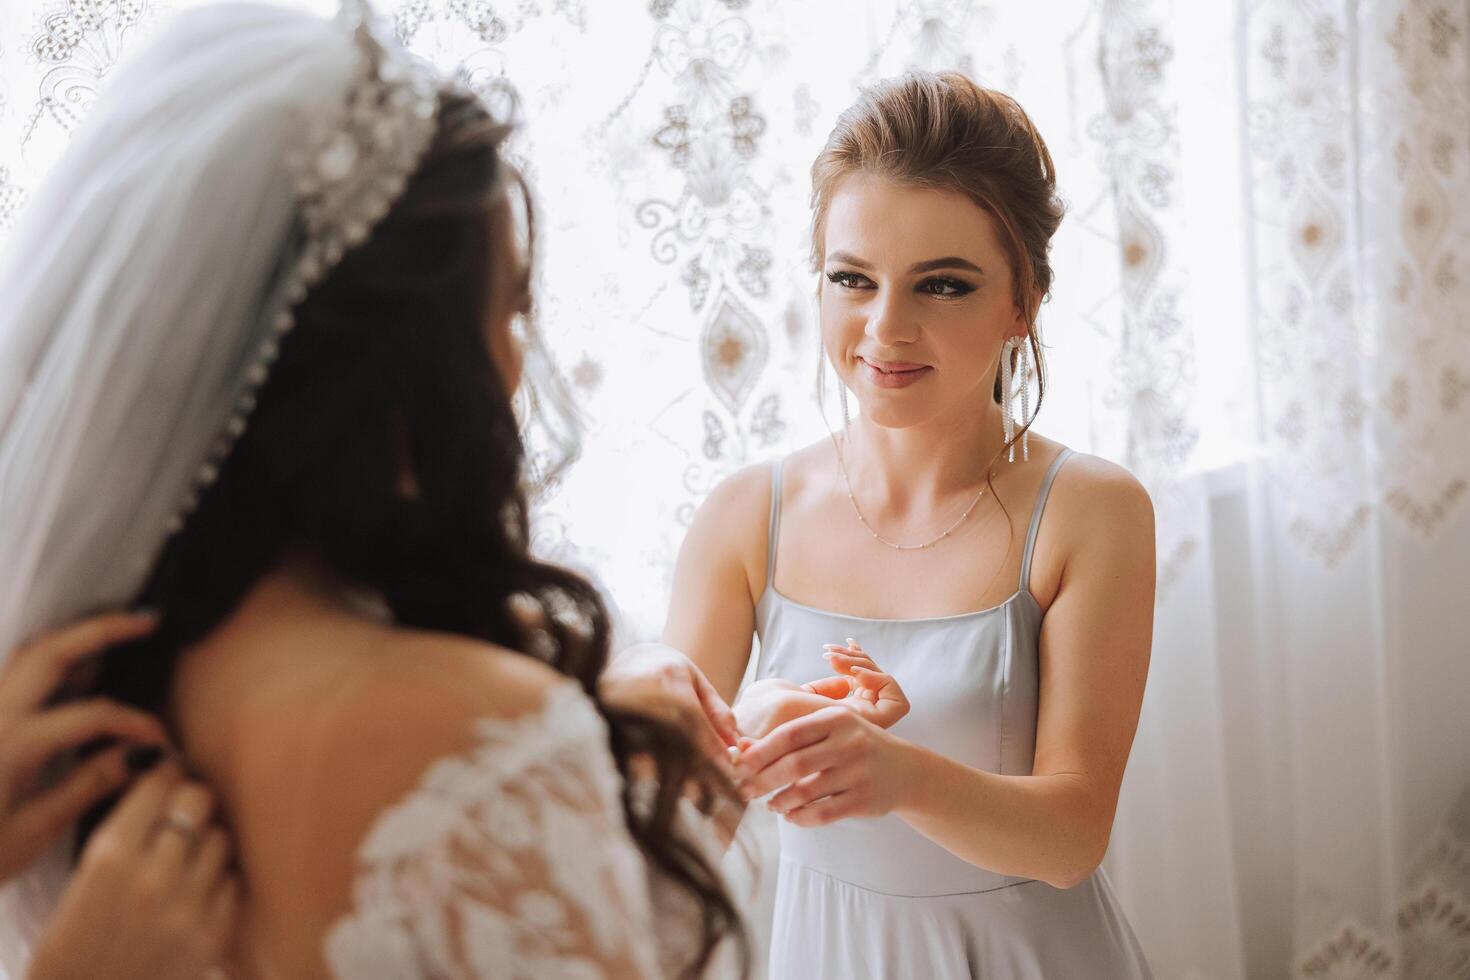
[{"x": 842, "y": 465}]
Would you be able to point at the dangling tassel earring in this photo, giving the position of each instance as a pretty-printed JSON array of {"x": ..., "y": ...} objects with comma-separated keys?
[
  {"x": 842, "y": 400},
  {"x": 1019, "y": 349},
  {"x": 1007, "y": 389},
  {"x": 1025, "y": 399}
]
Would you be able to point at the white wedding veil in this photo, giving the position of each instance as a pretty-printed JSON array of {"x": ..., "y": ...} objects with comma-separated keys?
[{"x": 223, "y": 171}]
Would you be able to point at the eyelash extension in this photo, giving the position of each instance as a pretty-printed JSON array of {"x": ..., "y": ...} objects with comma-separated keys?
[
  {"x": 960, "y": 288},
  {"x": 836, "y": 278}
]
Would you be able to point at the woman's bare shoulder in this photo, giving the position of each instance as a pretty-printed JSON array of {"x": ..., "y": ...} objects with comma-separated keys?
[
  {"x": 740, "y": 498},
  {"x": 1099, "y": 488},
  {"x": 727, "y": 534},
  {"x": 746, "y": 493},
  {"x": 418, "y": 701},
  {"x": 1096, "y": 507},
  {"x": 414, "y": 694},
  {"x": 313, "y": 779},
  {"x": 730, "y": 527}
]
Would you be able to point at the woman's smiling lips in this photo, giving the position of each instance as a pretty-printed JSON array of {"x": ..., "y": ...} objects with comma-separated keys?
[{"x": 893, "y": 374}]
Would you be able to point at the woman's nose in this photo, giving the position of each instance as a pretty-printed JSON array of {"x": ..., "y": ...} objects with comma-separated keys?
[{"x": 891, "y": 321}]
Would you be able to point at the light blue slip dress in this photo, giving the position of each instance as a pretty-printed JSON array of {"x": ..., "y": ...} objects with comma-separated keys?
[{"x": 874, "y": 898}]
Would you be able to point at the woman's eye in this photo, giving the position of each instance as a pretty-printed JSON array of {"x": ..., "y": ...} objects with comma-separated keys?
[
  {"x": 848, "y": 280},
  {"x": 945, "y": 287}
]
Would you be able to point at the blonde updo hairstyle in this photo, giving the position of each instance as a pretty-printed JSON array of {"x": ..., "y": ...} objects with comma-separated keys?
[{"x": 945, "y": 132}]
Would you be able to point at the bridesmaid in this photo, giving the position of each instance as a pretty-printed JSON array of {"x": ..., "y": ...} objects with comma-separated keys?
[{"x": 1005, "y": 582}]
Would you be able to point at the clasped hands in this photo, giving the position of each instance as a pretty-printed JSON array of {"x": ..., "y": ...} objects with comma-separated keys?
[
  {"x": 823, "y": 748},
  {"x": 856, "y": 684}
]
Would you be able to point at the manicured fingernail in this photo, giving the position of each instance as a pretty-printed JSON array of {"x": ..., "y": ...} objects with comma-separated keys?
[
  {"x": 141, "y": 758},
  {"x": 851, "y": 642}
]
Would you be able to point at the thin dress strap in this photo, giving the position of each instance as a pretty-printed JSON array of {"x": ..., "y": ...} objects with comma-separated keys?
[
  {"x": 775, "y": 523},
  {"x": 1046, "y": 482}
]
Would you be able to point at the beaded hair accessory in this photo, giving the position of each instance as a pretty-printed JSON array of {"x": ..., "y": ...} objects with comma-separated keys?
[{"x": 351, "y": 167}]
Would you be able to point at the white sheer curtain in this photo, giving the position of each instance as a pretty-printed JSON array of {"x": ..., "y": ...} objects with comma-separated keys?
[
  {"x": 1261, "y": 300},
  {"x": 1298, "y": 795}
]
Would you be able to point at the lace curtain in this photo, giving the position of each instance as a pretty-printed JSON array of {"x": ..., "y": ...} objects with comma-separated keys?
[{"x": 1262, "y": 286}]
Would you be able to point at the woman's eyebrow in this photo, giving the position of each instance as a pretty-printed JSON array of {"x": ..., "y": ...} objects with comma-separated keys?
[
  {"x": 929, "y": 265},
  {"x": 948, "y": 262},
  {"x": 847, "y": 258}
]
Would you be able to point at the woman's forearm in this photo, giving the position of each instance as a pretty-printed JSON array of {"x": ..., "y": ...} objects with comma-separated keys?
[{"x": 1053, "y": 828}]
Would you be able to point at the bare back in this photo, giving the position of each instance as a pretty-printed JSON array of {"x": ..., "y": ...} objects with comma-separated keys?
[{"x": 309, "y": 720}]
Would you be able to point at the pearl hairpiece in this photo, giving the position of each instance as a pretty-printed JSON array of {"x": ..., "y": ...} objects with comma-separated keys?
[{"x": 351, "y": 167}]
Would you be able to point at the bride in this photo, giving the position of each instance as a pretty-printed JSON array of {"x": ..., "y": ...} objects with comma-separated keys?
[{"x": 256, "y": 368}]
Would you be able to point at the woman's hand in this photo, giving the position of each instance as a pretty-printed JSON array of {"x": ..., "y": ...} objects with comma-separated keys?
[
  {"x": 657, "y": 680},
  {"x": 32, "y": 735},
  {"x": 869, "y": 691},
  {"x": 153, "y": 897},
  {"x": 858, "y": 685},
  {"x": 833, "y": 764},
  {"x": 766, "y": 705}
]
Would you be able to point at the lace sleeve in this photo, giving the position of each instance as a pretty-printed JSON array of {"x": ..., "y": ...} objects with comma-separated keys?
[{"x": 510, "y": 860}]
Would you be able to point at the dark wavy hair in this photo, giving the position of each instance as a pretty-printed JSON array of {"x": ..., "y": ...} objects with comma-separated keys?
[{"x": 389, "y": 363}]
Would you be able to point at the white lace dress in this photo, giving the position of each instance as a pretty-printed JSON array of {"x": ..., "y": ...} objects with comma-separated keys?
[{"x": 513, "y": 860}]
